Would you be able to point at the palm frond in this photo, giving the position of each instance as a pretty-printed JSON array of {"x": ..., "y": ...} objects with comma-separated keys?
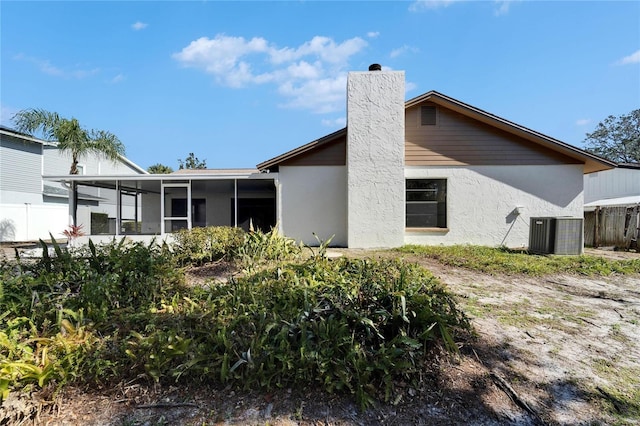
[{"x": 37, "y": 122}]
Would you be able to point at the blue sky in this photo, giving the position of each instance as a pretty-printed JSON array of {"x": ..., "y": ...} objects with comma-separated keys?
[{"x": 238, "y": 83}]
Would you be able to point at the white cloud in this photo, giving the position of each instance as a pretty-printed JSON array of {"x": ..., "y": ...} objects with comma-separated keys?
[
  {"x": 139, "y": 26},
  {"x": 336, "y": 123},
  {"x": 582, "y": 122},
  {"x": 401, "y": 50},
  {"x": 419, "y": 5},
  {"x": 634, "y": 58},
  {"x": 117, "y": 79},
  {"x": 48, "y": 68},
  {"x": 320, "y": 96},
  {"x": 502, "y": 7},
  {"x": 6, "y": 113},
  {"x": 409, "y": 86},
  {"x": 373, "y": 34},
  {"x": 309, "y": 76}
]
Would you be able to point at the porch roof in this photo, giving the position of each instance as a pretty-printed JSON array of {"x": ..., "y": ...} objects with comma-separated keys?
[
  {"x": 207, "y": 174},
  {"x": 629, "y": 201}
]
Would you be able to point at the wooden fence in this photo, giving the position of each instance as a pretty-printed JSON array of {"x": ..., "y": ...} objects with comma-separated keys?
[{"x": 612, "y": 226}]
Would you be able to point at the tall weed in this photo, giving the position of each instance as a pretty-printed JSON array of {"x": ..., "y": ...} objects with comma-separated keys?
[
  {"x": 201, "y": 245},
  {"x": 505, "y": 261}
]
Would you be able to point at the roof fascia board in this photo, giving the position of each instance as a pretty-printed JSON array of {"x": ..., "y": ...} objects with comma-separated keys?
[
  {"x": 158, "y": 177},
  {"x": 133, "y": 165},
  {"x": 27, "y": 138}
]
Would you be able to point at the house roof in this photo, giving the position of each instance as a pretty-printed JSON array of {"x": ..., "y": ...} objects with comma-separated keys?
[
  {"x": 302, "y": 149},
  {"x": 216, "y": 172},
  {"x": 592, "y": 162},
  {"x": 633, "y": 166},
  {"x": 628, "y": 201},
  {"x": 26, "y": 137}
]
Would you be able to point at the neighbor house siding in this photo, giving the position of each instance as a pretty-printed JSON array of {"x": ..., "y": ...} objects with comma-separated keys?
[
  {"x": 55, "y": 162},
  {"x": 618, "y": 182},
  {"x": 458, "y": 140},
  {"x": 18, "y": 161},
  {"x": 482, "y": 201}
]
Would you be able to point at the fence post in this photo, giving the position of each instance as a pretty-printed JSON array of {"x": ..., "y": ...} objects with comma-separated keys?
[{"x": 596, "y": 228}]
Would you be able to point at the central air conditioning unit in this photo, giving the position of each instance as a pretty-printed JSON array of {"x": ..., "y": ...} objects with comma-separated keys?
[{"x": 556, "y": 235}]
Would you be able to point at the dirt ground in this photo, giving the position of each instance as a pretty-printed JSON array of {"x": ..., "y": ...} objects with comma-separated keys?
[{"x": 561, "y": 349}]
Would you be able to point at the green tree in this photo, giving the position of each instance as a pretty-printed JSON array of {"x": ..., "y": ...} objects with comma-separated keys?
[
  {"x": 71, "y": 137},
  {"x": 192, "y": 162},
  {"x": 159, "y": 169},
  {"x": 617, "y": 138}
]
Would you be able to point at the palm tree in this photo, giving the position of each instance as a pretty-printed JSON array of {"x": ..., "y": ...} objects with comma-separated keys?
[{"x": 71, "y": 138}]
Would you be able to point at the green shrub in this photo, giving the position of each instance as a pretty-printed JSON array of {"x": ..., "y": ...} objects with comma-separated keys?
[
  {"x": 346, "y": 326},
  {"x": 119, "y": 312},
  {"x": 53, "y": 308},
  {"x": 201, "y": 245},
  {"x": 259, "y": 248}
]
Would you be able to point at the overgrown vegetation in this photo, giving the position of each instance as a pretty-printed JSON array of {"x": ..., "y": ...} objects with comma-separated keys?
[
  {"x": 502, "y": 260},
  {"x": 120, "y": 312}
]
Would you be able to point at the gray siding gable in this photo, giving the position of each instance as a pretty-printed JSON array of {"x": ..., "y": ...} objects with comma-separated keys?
[{"x": 18, "y": 161}]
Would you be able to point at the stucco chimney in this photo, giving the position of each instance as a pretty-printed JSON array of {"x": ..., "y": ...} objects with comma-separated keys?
[{"x": 375, "y": 158}]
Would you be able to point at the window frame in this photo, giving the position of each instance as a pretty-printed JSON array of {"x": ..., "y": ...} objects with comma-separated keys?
[{"x": 440, "y": 201}]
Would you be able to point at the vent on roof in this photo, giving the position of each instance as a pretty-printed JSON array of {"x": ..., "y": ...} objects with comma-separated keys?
[
  {"x": 428, "y": 115},
  {"x": 375, "y": 67}
]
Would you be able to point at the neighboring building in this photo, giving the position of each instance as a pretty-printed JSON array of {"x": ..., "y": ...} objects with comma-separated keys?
[
  {"x": 612, "y": 207},
  {"x": 431, "y": 170},
  {"x": 32, "y": 207}
]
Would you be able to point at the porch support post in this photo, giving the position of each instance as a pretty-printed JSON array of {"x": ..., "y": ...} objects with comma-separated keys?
[
  {"x": 118, "y": 208},
  {"x": 596, "y": 230},
  {"x": 73, "y": 203},
  {"x": 189, "y": 205},
  {"x": 276, "y": 183},
  {"x": 135, "y": 212},
  {"x": 235, "y": 203},
  {"x": 162, "y": 207}
]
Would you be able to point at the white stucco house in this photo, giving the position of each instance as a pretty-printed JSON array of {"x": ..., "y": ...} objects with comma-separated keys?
[
  {"x": 430, "y": 170},
  {"x": 32, "y": 207}
]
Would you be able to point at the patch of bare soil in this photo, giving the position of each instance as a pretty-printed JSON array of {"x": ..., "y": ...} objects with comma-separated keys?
[{"x": 548, "y": 350}]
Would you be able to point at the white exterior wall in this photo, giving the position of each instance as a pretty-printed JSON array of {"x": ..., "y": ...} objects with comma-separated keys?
[
  {"x": 481, "y": 202},
  {"x": 375, "y": 159},
  {"x": 611, "y": 184},
  {"x": 313, "y": 199}
]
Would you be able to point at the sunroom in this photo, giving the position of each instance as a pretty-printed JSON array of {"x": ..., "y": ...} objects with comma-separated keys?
[{"x": 160, "y": 204}]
